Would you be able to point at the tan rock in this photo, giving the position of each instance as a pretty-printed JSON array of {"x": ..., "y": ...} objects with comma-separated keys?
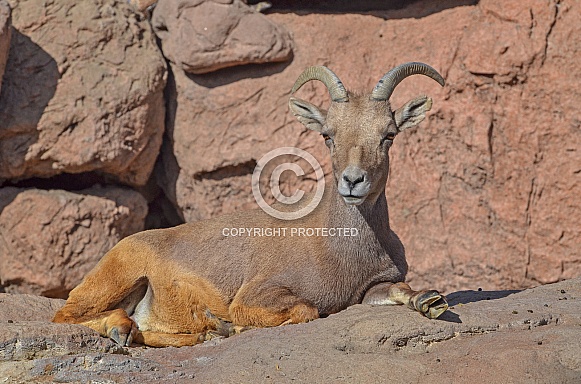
[
  {"x": 5, "y": 33},
  {"x": 51, "y": 239},
  {"x": 201, "y": 36},
  {"x": 485, "y": 191},
  {"x": 83, "y": 91}
]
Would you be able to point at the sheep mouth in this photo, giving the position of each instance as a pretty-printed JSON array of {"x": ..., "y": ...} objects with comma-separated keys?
[{"x": 353, "y": 200}]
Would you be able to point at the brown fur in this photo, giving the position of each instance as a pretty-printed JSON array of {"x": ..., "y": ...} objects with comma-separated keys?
[{"x": 182, "y": 285}]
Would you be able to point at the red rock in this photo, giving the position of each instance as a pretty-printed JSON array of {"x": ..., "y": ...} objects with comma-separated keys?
[
  {"x": 207, "y": 167},
  {"x": 201, "y": 36},
  {"x": 51, "y": 239},
  {"x": 502, "y": 155},
  {"x": 83, "y": 91},
  {"x": 485, "y": 192}
]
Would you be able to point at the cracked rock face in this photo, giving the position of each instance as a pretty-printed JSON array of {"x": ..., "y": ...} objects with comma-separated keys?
[
  {"x": 485, "y": 191},
  {"x": 503, "y": 336},
  {"x": 201, "y": 36},
  {"x": 82, "y": 91},
  {"x": 51, "y": 239}
]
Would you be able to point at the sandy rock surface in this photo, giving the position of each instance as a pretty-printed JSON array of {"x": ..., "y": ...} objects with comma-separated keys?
[
  {"x": 49, "y": 240},
  {"x": 486, "y": 336},
  {"x": 82, "y": 91}
]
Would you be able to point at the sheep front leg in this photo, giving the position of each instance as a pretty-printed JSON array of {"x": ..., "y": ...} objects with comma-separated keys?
[{"x": 429, "y": 303}]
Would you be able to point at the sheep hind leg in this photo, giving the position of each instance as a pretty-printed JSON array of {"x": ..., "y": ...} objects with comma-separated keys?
[
  {"x": 119, "y": 327},
  {"x": 164, "y": 339},
  {"x": 101, "y": 300},
  {"x": 114, "y": 324},
  {"x": 222, "y": 329},
  {"x": 429, "y": 303},
  {"x": 225, "y": 329}
]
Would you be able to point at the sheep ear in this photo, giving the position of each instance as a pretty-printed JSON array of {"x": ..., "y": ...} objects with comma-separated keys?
[
  {"x": 310, "y": 116},
  {"x": 412, "y": 113}
]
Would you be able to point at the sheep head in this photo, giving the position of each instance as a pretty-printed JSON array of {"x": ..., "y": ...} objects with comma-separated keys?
[{"x": 359, "y": 129}]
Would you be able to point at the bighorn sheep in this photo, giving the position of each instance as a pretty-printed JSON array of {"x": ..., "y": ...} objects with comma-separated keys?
[{"x": 182, "y": 285}]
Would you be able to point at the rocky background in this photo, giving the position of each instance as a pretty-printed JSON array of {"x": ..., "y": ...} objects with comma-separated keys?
[{"x": 115, "y": 119}]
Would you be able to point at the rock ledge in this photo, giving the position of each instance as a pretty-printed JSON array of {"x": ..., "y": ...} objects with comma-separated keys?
[{"x": 503, "y": 336}]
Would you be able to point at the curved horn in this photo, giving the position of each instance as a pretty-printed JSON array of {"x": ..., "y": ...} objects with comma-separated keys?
[
  {"x": 391, "y": 79},
  {"x": 326, "y": 76}
]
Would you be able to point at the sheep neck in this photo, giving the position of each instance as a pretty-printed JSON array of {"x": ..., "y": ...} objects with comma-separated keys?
[{"x": 370, "y": 218}]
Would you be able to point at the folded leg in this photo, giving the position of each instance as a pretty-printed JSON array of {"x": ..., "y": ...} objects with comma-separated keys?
[{"x": 429, "y": 303}]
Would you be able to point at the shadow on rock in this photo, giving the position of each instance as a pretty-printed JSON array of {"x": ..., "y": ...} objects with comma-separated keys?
[
  {"x": 465, "y": 297},
  {"x": 450, "y": 317},
  {"x": 233, "y": 74},
  {"x": 395, "y": 9},
  {"x": 30, "y": 82}
]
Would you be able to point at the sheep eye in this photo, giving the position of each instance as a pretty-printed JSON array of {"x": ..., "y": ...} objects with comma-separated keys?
[
  {"x": 389, "y": 137},
  {"x": 328, "y": 139}
]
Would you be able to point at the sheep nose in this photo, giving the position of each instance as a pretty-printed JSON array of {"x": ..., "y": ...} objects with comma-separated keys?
[{"x": 353, "y": 176}]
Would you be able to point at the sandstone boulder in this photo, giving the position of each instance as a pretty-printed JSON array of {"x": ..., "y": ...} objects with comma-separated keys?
[
  {"x": 201, "y": 36},
  {"x": 5, "y": 33},
  {"x": 51, "y": 239},
  {"x": 83, "y": 91},
  {"x": 214, "y": 142},
  {"x": 491, "y": 336},
  {"x": 485, "y": 191}
]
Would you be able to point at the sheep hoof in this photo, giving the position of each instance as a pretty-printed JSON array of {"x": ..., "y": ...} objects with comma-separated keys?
[
  {"x": 120, "y": 328},
  {"x": 227, "y": 330},
  {"x": 120, "y": 336},
  {"x": 210, "y": 335},
  {"x": 431, "y": 304},
  {"x": 238, "y": 329}
]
